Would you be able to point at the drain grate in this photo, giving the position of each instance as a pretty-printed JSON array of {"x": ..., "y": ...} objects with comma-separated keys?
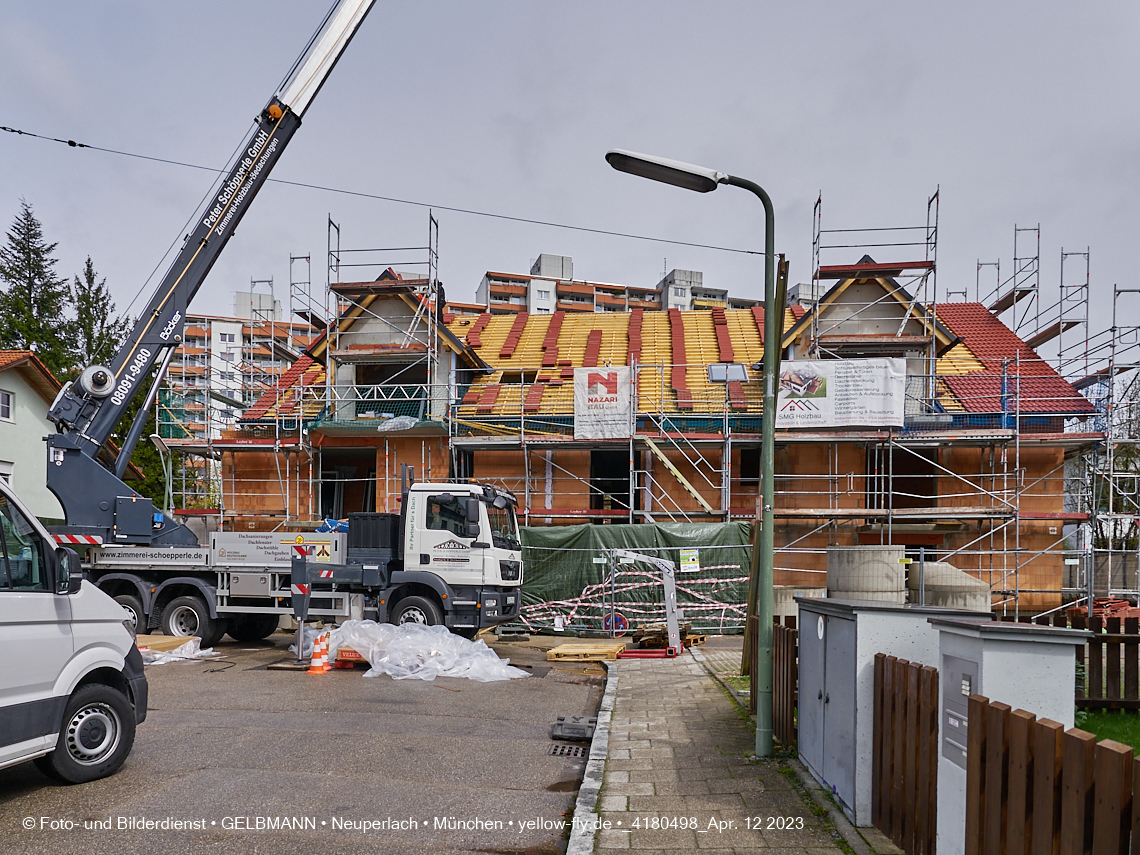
[{"x": 559, "y": 750}]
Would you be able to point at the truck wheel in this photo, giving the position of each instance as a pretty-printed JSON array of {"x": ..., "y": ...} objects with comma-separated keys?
[
  {"x": 417, "y": 610},
  {"x": 187, "y": 616},
  {"x": 95, "y": 737},
  {"x": 133, "y": 605},
  {"x": 252, "y": 627}
]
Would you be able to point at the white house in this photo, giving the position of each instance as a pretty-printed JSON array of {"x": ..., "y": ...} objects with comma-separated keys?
[{"x": 27, "y": 390}]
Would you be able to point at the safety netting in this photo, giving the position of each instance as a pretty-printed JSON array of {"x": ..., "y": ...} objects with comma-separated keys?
[{"x": 574, "y": 580}]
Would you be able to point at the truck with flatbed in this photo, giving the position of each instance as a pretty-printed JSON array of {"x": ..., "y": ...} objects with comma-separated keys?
[{"x": 451, "y": 557}]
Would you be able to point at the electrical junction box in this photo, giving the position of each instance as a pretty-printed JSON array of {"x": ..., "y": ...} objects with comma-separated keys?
[
  {"x": 1027, "y": 666},
  {"x": 838, "y": 641}
]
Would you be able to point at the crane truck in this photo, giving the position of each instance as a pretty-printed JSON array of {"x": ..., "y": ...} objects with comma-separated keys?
[{"x": 451, "y": 556}]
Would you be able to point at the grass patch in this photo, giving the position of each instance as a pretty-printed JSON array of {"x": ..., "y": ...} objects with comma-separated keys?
[{"x": 1120, "y": 725}]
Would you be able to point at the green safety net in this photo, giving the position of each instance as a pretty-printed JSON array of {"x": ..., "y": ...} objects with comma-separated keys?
[{"x": 562, "y": 579}]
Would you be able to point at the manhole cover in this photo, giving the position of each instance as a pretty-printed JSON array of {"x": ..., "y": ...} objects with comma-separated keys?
[{"x": 567, "y": 750}]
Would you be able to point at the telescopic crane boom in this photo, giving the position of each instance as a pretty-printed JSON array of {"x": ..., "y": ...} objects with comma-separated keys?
[{"x": 86, "y": 412}]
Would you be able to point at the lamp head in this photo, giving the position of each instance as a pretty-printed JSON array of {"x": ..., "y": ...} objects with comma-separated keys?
[{"x": 698, "y": 178}]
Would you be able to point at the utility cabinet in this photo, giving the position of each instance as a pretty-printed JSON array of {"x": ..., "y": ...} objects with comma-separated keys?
[
  {"x": 1027, "y": 666},
  {"x": 838, "y": 641}
]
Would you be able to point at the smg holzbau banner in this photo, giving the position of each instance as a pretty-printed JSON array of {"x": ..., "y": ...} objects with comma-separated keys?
[
  {"x": 602, "y": 402},
  {"x": 841, "y": 393}
]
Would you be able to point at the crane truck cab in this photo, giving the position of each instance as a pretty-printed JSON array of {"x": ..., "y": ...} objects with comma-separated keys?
[{"x": 72, "y": 686}]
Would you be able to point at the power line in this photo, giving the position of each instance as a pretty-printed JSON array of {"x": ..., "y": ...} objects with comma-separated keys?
[{"x": 359, "y": 194}]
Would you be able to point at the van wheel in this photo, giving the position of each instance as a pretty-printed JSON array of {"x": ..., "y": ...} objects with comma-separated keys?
[
  {"x": 134, "y": 606},
  {"x": 95, "y": 737},
  {"x": 187, "y": 616},
  {"x": 252, "y": 627},
  {"x": 417, "y": 610}
]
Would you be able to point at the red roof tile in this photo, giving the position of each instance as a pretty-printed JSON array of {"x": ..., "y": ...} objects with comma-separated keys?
[
  {"x": 270, "y": 398},
  {"x": 1027, "y": 394},
  {"x": 1040, "y": 388},
  {"x": 991, "y": 341}
]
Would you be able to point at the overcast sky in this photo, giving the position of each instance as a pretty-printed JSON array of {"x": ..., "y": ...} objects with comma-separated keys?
[{"x": 1023, "y": 113}]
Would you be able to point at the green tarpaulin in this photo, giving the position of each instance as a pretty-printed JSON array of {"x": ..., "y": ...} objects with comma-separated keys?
[{"x": 561, "y": 577}]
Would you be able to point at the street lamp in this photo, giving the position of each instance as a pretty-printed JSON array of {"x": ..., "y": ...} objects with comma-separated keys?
[
  {"x": 167, "y": 458},
  {"x": 704, "y": 180}
]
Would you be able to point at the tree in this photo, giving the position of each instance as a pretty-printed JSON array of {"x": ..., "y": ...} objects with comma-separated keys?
[
  {"x": 34, "y": 302},
  {"x": 98, "y": 330}
]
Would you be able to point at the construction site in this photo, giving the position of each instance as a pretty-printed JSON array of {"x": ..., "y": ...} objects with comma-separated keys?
[{"x": 1015, "y": 460}]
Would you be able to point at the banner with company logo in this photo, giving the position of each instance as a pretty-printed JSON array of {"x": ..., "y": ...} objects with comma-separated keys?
[
  {"x": 841, "y": 393},
  {"x": 602, "y": 401}
]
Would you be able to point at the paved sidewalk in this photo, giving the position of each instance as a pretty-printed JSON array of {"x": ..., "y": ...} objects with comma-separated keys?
[{"x": 677, "y": 777}]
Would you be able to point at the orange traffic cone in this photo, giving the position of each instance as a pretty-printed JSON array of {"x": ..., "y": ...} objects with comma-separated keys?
[
  {"x": 320, "y": 658},
  {"x": 326, "y": 666}
]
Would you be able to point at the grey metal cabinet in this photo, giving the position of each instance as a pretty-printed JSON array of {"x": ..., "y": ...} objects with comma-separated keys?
[{"x": 837, "y": 645}]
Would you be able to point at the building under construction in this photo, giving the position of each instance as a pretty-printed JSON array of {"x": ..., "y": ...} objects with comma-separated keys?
[{"x": 998, "y": 466}]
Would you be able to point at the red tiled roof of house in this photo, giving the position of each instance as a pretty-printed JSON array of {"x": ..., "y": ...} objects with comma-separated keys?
[
  {"x": 270, "y": 398},
  {"x": 8, "y": 357},
  {"x": 1026, "y": 394},
  {"x": 991, "y": 341},
  {"x": 1037, "y": 387}
]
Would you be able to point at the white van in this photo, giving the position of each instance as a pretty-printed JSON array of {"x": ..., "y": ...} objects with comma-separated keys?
[{"x": 72, "y": 687}]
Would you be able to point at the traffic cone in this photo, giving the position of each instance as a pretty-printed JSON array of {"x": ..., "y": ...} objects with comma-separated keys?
[
  {"x": 326, "y": 666},
  {"x": 320, "y": 656}
]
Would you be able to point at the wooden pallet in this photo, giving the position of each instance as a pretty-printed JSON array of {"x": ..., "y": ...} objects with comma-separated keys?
[
  {"x": 346, "y": 657},
  {"x": 595, "y": 651},
  {"x": 656, "y": 637},
  {"x": 160, "y": 643},
  {"x": 655, "y": 642}
]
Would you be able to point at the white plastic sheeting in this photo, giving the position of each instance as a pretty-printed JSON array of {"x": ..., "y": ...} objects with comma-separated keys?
[
  {"x": 192, "y": 649},
  {"x": 413, "y": 651}
]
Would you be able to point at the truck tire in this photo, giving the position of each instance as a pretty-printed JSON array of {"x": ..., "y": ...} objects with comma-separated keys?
[
  {"x": 252, "y": 627},
  {"x": 95, "y": 736},
  {"x": 417, "y": 610},
  {"x": 133, "y": 605},
  {"x": 187, "y": 616}
]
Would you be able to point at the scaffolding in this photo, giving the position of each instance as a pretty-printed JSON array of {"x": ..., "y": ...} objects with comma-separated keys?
[
  {"x": 287, "y": 464},
  {"x": 999, "y": 468}
]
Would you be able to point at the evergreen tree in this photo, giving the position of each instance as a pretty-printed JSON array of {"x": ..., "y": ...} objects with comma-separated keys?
[
  {"x": 98, "y": 330},
  {"x": 35, "y": 300}
]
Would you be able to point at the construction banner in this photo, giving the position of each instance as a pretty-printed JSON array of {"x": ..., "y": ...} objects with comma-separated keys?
[
  {"x": 602, "y": 401},
  {"x": 822, "y": 393}
]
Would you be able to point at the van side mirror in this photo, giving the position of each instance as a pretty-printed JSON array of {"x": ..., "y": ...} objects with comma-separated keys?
[
  {"x": 68, "y": 571},
  {"x": 472, "y": 516}
]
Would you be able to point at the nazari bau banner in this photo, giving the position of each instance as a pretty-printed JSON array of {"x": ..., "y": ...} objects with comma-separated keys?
[
  {"x": 602, "y": 402},
  {"x": 841, "y": 393}
]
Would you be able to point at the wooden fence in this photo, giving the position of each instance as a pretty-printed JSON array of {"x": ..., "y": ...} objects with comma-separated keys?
[
  {"x": 785, "y": 681},
  {"x": 1033, "y": 788},
  {"x": 785, "y": 677},
  {"x": 904, "y": 754},
  {"x": 1108, "y": 672}
]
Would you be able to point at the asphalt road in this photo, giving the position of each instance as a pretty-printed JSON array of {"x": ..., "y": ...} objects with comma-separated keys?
[{"x": 238, "y": 751}]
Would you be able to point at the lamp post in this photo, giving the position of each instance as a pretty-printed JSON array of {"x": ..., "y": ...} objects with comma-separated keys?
[
  {"x": 167, "y": 459},
  {"x": 704, "y": 180}
]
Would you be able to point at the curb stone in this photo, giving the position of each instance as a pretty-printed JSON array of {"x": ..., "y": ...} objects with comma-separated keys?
[{"x": 581, "y": 834}]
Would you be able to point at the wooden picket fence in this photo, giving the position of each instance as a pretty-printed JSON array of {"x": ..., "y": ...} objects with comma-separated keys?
[
  {"x": 1108, "y": 675},
  {"x": 785, "y": 677},
  {"x": 904, "y": 758},
  {"x": 785, "y": 680},
  {"x": 1033, "y": 788}
]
